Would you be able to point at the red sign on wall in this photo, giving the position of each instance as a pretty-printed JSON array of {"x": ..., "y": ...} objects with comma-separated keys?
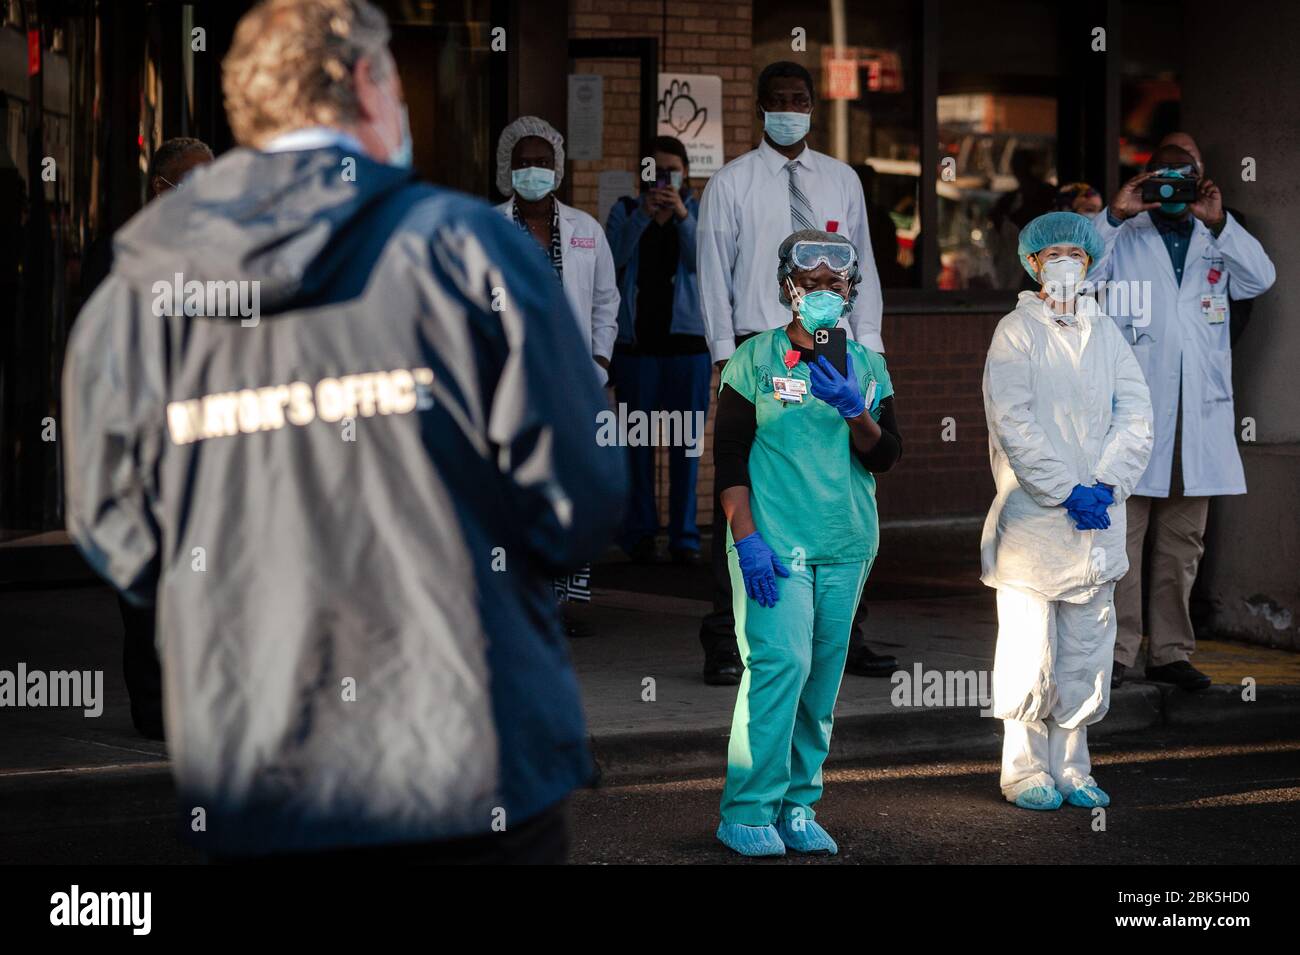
[
  {"x": 842, "y": 79},
  {"x": 33, "y": 52},
  {"x": 840, "y": 71}
]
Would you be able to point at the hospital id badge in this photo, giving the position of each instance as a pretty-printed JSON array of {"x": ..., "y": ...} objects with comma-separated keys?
[
  {"x": 1214, "y": 308},
  {"x": 789, "y": 389}
]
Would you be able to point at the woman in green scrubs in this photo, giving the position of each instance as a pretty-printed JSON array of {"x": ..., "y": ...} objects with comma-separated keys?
[{"x": 796, "y": 448}]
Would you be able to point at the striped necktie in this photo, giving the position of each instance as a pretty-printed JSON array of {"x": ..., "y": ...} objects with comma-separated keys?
[{"x": 801, "y": 214}]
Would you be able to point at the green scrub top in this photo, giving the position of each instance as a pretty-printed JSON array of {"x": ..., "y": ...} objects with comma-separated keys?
[{"x": 812, "y": 499}]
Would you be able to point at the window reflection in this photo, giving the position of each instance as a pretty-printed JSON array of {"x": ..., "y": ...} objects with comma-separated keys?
[{"x": 997, "y": 171}]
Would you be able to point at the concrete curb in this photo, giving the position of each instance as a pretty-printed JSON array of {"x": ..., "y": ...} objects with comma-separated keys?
[{"x": 629, "y": 756}]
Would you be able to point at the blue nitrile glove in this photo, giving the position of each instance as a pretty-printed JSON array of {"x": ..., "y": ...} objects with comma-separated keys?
[
  {"x": 1087, "y": 508},
  {"x": 759, "y": 565},
  {"x": 1090, "y": 520},
  {"x": 1103, "y": 497},
  {"x": 839, "y": 391}
]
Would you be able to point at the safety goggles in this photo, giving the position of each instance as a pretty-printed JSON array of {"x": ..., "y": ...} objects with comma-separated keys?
[{"x": 836, "y": 256}]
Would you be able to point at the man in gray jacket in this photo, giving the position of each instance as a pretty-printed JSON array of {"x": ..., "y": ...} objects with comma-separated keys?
[{"x": 344, "y": 423}]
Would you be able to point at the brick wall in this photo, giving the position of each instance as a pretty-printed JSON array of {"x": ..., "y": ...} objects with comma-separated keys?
[
  {"x": 707, "y": 38},
  {"x": 937, "y": 364}
]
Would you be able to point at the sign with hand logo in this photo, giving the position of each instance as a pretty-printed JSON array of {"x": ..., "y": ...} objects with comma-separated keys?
[{"x": 690, "y": 108}]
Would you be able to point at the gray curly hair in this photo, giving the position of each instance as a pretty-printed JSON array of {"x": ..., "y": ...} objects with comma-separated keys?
[
  {"x": 290, "y": 65},
  {"x": 522, "y": 128},
  {"x": 785, "y": 267}
]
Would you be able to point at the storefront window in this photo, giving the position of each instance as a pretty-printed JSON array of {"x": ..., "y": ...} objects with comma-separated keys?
[
  {"x": 997, "y": 137},
  {"x": 1150, "y": 94}
]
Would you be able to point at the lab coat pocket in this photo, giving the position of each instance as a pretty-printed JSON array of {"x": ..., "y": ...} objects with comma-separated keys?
[
  {"x": 1218, "y": 376},
  {"x": 580, "y": 260}
]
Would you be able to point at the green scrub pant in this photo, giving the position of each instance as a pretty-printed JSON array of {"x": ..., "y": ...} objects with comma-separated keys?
[{"x": 794, "y": 661}]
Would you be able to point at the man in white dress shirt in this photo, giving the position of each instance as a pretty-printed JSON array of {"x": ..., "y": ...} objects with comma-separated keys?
[
  {"x": 756, "y": 200},
  {"x": 750, "y": 205}
]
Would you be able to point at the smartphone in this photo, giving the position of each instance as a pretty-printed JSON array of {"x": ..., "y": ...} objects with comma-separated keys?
[
  {"x": 832, "y": 342},
  {"x": 1158, "y": 189}
]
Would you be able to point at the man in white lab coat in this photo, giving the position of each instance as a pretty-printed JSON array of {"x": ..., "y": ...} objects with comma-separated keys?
[
  {"x": 1193, "y": 258},
  {"x": 750, "y": 205}
]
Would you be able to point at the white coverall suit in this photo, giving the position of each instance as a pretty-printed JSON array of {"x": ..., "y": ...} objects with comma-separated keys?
[{"x": 1066, "y": 404}]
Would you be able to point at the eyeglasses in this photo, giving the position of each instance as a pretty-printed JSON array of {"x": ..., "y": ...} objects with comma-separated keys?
[{"x": 837, "y": 256}]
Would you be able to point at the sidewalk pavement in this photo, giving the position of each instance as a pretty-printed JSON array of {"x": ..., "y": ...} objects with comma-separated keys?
[
  {"x": 682, "y": 725},
  {"x": 642, "y": 637}
]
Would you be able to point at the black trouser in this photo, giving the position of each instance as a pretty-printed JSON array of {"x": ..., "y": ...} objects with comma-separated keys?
[
  {"x": 141, "y": 669},
  {"x": 718, "y": 628},
  {"x": 541, "y": 840}
]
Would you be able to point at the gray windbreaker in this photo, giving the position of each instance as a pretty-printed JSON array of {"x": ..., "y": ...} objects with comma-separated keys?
[{"x": 348, "y": 495}]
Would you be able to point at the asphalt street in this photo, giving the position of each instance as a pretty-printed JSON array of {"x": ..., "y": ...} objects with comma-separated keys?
[
  {"x": 1175, "y": 800},
  {"x": 1215, "y": 799}
]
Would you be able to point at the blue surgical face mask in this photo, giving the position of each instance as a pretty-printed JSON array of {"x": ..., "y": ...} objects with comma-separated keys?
[
  {"x": 820, "y": 309},
  {"x": 403, "y": 155},
  {"x": 786, "y": 129},
  {"x": 532, "y": 182}
]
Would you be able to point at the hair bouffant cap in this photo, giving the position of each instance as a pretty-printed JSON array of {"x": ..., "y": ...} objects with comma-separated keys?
[
  {"x": 1058, "y": 228},
  {"x": 522, "y": 128}
]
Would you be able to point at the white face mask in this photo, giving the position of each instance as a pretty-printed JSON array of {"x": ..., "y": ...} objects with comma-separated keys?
[{"x": 1061, "y": 278}]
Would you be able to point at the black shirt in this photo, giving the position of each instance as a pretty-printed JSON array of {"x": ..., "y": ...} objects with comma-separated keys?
[{"x": 658, "y": 253}]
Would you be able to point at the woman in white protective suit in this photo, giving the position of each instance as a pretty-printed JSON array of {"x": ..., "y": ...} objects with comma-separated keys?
[{"x": 1069, "y": 420}]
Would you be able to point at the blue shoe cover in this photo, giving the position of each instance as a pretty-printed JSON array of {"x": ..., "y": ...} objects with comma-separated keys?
[
  {"x": 812, "y": 839},
  {"x": 1039, "y": 797},
  {"x": 751, "y": 840},
  {"x": 1088, "y": 797}
]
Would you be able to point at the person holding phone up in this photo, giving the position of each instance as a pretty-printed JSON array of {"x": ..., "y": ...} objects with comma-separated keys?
[
  {"x": 797, "y": 442},
  {"x": 661, "y": 358}
]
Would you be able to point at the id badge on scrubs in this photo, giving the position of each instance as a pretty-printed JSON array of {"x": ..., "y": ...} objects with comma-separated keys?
[
  {"x": 1214, "y": 308},
  {"x": 789, "y": 389}
]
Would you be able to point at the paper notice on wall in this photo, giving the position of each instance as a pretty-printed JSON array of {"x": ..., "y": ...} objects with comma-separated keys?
[
  {"x": 586, "y": 117},
  {"x": 611, "y": 185},
  {"x": 690, "y": 108}
]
